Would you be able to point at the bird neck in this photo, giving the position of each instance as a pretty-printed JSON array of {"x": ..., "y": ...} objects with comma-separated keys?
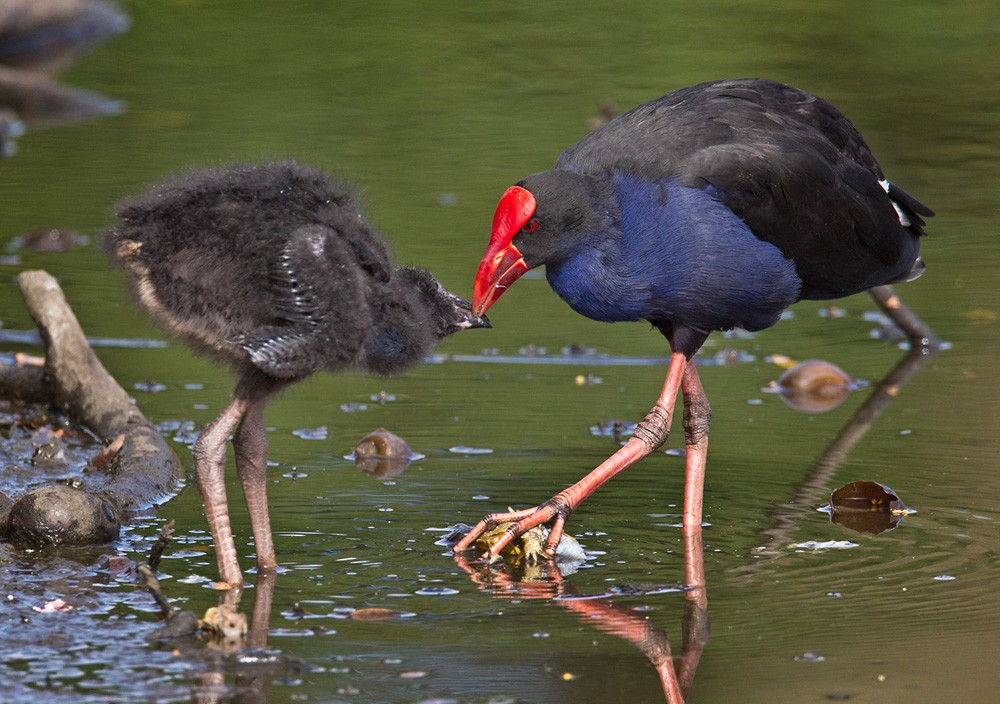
[
  {"x": 394, "y": 344},
  {"x": 411, "y": 313},
  {"x": 611, "y": 275}
]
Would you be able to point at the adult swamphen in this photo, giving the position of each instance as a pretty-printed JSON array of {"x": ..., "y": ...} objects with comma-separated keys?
[
  {"x": 716, "y": 206},
  {"x": 273, "y": 269}
]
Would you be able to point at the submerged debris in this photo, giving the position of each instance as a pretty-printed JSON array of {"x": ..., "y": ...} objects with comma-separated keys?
[
  {"x": 631, "y": 589},
  {"x": 49, "y": 35},
  {"x": 37, "y": 40},
  {"x": 616, "y": 429},
  {"x": 177, "y": 623},
  {"x": 607, "y": 110}
]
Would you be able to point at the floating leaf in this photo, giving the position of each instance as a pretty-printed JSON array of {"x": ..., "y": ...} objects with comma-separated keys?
[
  {"x": 51, "y": 239},
  {"x": 382, "y": 453},
  {"x": 867, "y": 507},
  {"x": 377, "y": 614},
  {"x": 813, "y": 386}
]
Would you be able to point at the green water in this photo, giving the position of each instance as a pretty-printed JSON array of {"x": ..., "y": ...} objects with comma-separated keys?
[{"x": 433, "y": 109}]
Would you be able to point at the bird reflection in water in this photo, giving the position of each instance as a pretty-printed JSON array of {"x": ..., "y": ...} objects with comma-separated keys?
[
  {"x": 242, "y": 649},
  {"x": 543, "y": 580}
]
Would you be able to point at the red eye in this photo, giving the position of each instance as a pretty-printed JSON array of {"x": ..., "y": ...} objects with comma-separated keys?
[{"x": 531, "y": 225}]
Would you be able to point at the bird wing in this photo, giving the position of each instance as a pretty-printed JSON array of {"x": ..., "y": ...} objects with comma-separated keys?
[
  {"x": 320, "y": 300},
  {"x": 828, "y": 214},
  {"x": 282, "y": 352},
  {"x": 788, "y": 163}
]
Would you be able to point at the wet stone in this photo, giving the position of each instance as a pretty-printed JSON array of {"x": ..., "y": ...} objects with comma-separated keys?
[{"x": 60, "y": 514}]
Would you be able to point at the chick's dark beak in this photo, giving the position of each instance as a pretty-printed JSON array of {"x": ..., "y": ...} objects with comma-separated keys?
[{"x": 464, "y": 317}]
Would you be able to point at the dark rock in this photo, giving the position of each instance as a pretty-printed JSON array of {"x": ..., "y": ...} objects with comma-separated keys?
[
  {"x": 6, "y": 504},
  {"x": 62, "y": 515}
]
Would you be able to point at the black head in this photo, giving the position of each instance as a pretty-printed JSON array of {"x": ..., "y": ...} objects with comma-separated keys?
[
  {"x": 543, "y": 220},
  {"x": 570, "y": 209},
  {"x": 447, "y": 312},
  {"x": 417, "y": 312}
]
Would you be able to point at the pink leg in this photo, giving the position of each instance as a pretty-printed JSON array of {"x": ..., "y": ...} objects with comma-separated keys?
[
  {"x": 649, "y": 435},
  {"x": 697, "y": 416},
  {"x": 250, "y": 448},
  {"x": 209, "y": 472}
]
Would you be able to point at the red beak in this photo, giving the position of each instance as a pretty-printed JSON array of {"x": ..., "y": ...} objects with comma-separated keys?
[{"x": 502, "y": 263}]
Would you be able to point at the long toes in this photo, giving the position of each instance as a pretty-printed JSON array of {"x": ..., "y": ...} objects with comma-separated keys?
[
  {"x": 491, "y": 521},
  {"x": 555, "y": 535},
  {"x": 535, "y": 517},
  {"x": 477, "y": 530}
]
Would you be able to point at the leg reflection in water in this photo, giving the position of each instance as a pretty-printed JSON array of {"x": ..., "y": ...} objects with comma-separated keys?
[{"x": 544, "y": 581}]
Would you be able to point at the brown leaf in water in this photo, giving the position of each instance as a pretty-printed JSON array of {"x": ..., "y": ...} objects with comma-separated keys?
[
  {"x": 375, "y": 614},
  {"x": 99, "y": 460},
  {"x": 867, "y": 507},
  {"x": 813, "y": 386}
]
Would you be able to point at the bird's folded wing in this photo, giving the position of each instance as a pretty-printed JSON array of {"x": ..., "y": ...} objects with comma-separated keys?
[
  {"x": 320, "y": 296},
  {"x": 286, "y": 352}
]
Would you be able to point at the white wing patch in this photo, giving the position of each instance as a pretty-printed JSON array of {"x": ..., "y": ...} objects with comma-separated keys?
[{"x": 903, "y": 220}]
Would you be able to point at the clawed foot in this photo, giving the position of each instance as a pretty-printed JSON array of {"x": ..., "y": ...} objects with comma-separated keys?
[{"x": 555, "y": 511}]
